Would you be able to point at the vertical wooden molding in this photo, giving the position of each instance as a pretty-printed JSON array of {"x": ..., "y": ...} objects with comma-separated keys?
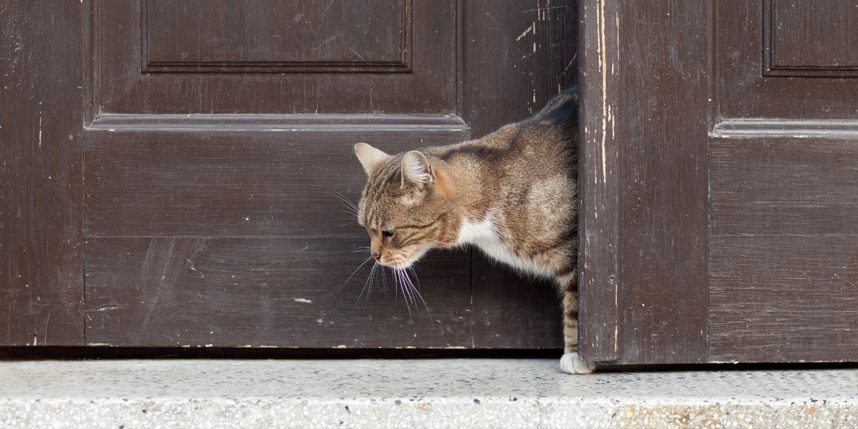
[
  {"x": 41, "y": 269},
  {"x": 599, "y": 193},
  {"x": 644, "y": 177}
]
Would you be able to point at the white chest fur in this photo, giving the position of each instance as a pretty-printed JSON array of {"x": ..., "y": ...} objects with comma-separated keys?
[{"x": 483, "y": 235}]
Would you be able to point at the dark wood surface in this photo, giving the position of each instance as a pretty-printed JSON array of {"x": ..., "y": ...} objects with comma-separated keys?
[
  {"x": 645, "y": 179},
  {"x": 782, "y": 267},
  {"x": 41, "y": 267},
  {"x": 783, "y": 298},
  {"x": 749, "y": 88},
  {"x": 515, "y": 59},
  {"x": 229, "y": 77},
  {"x": 735, "y": 184},
  {"x": 212, "y": 170},
  {"x": 277, "y": 36},
  {"x": 783, "y": 261},
  {"x": 259, "y": 292},
  {"x": 599, "y": 191},
  {"x": 233, "y": 184},
  {"x": 813, "y": 37}
]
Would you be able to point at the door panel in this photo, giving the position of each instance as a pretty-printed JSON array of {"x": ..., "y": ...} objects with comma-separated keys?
[
  {"x": 218, "y": 156},
  {"x": 220, "y": 134},
  {"x": 783, "y": 268},
  {"x": 783, "y": 184},
  {"x": 781, "y": 187},
  {"x": 273, "y": 57},
  {"x": 783, "y": 298},
  {"x": 284, "y": 292},
  {"x": 721, "y": 184},
  {"x": 292, "y": 36},
  {"x": 172, "y": 168},
  {"x": 238, "y": 239},
  {"x": 754, "y": 58},
  {"x": 228, "y": 184},
  {"x": 807, "y": 38}
]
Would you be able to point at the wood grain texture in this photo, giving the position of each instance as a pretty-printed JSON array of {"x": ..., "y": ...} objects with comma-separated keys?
[
  {"x": 118, "y": 86},
  {"x": 231, "y": 184},
  {"x": 227, "y": 174},
  {"x": 513, "y": 312},
  {"x": 277, "y": 36},
  {"x": 784, "y": 187},
  {"x": 789, "y": 298},
  {"x": 743, "y": 87},
  {"x": 647, "y": 157},
  {"x": 516, "y": 58},
  {"x": 598, "y": 264},
  {"x": 810, "y": 39},
  {"x": 280, "y": 292},
  {"x": 784, "y": 255},
  {"x": 41, "y": 270}
]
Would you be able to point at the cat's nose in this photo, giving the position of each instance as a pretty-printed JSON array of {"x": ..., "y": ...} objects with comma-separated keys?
[{"x": 375, "y": 255}]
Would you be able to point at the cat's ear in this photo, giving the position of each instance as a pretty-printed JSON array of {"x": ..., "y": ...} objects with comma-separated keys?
[
  {"x": 370, "y": 158},
  {"x": 417, "y": 169}
]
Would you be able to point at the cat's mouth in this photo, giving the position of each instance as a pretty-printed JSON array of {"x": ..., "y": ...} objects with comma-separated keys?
[{"x": 401, "y": 260}]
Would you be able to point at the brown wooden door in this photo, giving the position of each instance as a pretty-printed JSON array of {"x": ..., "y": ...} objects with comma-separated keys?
[
  {"x": 170, "y": 170},
  {"x": 721, "y": 181}
]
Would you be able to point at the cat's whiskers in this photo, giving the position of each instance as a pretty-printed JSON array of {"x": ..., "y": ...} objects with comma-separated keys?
[
  {"x": 351, "y": 208},
  {"x": 353, "y": 273},
  {"x": 406, "y": 291},
  {"x": 367, "y": 284},
  {"x": 399, "y": 283},
  {"x": 381, "y": 273},
  {"x": 416, "y": 291},
  {"x": 413, "y": 271}
]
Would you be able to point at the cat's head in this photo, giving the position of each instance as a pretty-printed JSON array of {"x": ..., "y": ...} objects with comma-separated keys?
[{"x": 408, "y": 205}]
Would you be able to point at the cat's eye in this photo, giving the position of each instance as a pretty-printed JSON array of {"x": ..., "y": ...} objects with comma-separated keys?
[{"x": 387, "y": 233}]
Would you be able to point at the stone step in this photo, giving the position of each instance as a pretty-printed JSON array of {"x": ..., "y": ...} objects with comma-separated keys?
[{"x": 412, "y": 393}]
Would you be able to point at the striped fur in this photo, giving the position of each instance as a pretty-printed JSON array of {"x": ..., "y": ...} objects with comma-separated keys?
[{"x": 512, "y": 193}]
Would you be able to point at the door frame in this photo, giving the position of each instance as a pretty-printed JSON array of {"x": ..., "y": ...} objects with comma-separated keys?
[{"x": 644, "y": 209}]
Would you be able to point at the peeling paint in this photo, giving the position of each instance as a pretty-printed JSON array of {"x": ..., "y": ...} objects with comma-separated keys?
[{"x": 603, "y": 71}]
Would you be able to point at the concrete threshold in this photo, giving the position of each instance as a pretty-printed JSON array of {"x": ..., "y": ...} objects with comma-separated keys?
[{"x": 447, "y": 393}]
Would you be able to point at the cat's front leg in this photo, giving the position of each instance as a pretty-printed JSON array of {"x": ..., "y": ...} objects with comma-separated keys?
[{"x": 571, "y": 362}]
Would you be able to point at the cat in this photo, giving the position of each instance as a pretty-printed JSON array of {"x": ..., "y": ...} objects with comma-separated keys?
[{"x": 512, "y": 194}]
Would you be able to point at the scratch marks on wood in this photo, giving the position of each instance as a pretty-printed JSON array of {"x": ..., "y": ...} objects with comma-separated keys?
[
  {"x": 327, "y": 41},
  {"x": 608, "y": 116},
  {"x": 528, "y": 30},
  {"x": 165, "y": 261},
  {"x": 603, "y": 73},
  {"x": 47, "y": 325},
  {"x": 147, "y": 265},
  {"x": 40, "y": 129},
  {"x": 302, "y": 300}
]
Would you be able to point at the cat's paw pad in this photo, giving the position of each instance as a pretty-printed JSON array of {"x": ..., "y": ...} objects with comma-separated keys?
[{"x": 571, "y": 363}]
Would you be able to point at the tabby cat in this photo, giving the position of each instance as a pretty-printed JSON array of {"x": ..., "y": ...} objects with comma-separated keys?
[{"x": 511, "y": 193}]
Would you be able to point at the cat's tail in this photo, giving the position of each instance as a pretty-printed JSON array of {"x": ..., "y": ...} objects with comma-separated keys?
[{"x": 562, "y": 109}]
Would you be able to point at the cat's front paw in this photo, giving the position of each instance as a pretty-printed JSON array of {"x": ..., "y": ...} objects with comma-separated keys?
[{"x": 571, "y": 363}]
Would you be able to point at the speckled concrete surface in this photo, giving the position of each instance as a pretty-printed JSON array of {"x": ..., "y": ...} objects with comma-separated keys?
[{"x": 454, "y": 393}]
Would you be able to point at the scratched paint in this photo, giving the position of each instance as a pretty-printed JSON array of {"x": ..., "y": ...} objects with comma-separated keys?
[{"x": 601, "y": 50}]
